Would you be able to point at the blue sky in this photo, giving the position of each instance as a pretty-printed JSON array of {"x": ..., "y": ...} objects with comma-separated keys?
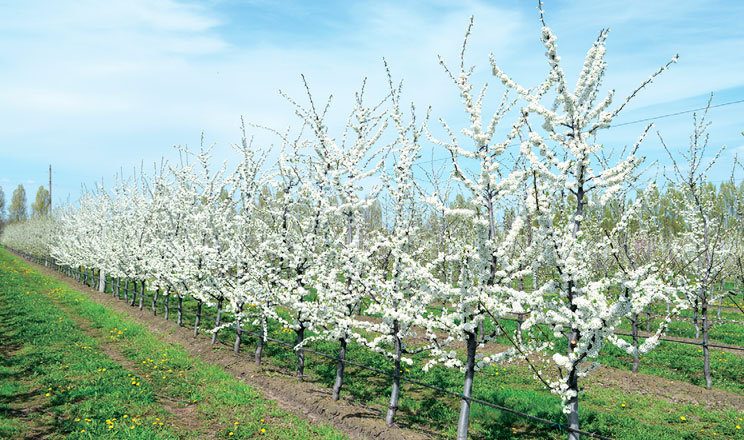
[{"x": 97, "y": 87}]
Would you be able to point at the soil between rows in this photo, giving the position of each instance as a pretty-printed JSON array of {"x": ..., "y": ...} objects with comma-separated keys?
[
  {"x": 314, "y": 403},
  {"x": 186, "y": 417},
  {"x": 305, "y": 399}
]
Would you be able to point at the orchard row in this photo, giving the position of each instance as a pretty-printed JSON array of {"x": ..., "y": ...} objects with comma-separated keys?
[{"x": 343, "y": 238}]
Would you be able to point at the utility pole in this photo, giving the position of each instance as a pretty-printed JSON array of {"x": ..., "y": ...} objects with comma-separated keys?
[{"x": 50, "y": 189}]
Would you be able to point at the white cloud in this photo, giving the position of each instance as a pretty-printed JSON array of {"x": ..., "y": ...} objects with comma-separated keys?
[{"x": 94, "y": 86}]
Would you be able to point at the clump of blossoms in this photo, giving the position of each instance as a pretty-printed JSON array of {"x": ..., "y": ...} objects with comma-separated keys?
[
  {"x": 705, "y": 248},
  {"x": 482, "y": 258},
  {"x": 578, "y": 306}
]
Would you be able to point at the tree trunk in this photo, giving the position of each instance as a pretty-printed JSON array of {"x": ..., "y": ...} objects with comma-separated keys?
[
  {"x": 706, "y": 349},
  {"x": 648, "y": 318},
  {"x": 573, "y": 404},
  {"x": 260, "y": 343},
  {"x": 166, "y": 305},
  {"x": 634, "y": 324},
  {"x": 300, "y": 353},
  {"x": 520, "y": 287},
  {"x": 180, "y": 310},
  {"x": 395, "y": 394},
  {"x": 462, "y": 423},
  {"x": 142, "y": 296},
  {"x": 236, "y": 346},
  {"x": 340, "y": 369},
  {"x": 134, "y": 294},
  {"x": 520, "y": 319},
  {"x": 573, "y": 382},
  {"x": 101, "y": 280},
  {"x": 126, "y": 289},
  {"x": 217, "y": 321},
  {"x": 695, "y": 319},
  {"x": 154, "y": 302},
  {"x": 198, "y": 317},
  {"x": 115, "y": 288}
]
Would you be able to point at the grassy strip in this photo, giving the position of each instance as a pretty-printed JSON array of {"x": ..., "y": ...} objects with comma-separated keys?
[
  {"x": 57, "y": 368},
  {"x": 670, "y": 360},
  {"x": 607, "y": 411}
]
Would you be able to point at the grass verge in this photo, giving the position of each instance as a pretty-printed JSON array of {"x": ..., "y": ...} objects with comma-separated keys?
[{"x": 69, "y": 368}]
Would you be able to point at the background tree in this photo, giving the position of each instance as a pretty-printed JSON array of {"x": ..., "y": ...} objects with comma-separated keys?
[
  {"x": 17, "y": 210},
  {"x": 704, "y": 245},
  {"x": 40, "y": 207},
  {"x": 2, "y": 209}
]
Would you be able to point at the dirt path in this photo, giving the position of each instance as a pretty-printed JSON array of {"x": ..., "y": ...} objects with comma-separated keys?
[
  {"x": 733, "y": 350},
  {"x": 306, "y": 399},
  {"x": 358, "y": 421},
  {"x": 184, "y": 414},
  {"x": 669, "y": 390},
  {"x": 26, "y": 404}
]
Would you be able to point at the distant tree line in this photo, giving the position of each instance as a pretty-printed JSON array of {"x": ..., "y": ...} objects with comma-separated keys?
[{"x": 17, "y": 211}]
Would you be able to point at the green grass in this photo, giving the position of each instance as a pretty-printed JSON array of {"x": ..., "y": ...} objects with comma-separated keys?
[
  {"x": 670, "y": 360},
  {"x": 609, "y": 412},
  {"x": 642, "y": 417},
  {"x": 51, "y": 366}
]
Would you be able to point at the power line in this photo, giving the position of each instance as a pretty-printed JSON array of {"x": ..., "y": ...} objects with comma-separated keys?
[
  {"x": 637, "y": 121},
  {"x": 677, "y": 113}
]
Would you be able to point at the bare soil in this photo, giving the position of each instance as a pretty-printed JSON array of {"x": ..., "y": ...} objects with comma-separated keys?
[
  {"x": 313, "y": 401},
  {"x": 27, "y": 407},
  {"x": 305, "y": 399},
  {"x": 185, "y": 414}
]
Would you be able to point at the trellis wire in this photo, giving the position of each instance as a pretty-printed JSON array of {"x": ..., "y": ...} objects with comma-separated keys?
[
  {"x": 93, "y": 279},
  {"x": 663, "y": 339},
  {"x": 385, "y": 373}
]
